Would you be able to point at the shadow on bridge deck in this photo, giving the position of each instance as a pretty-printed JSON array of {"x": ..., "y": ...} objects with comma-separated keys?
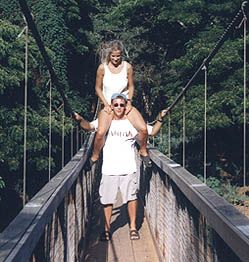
[{"x": 121, "y": 248}]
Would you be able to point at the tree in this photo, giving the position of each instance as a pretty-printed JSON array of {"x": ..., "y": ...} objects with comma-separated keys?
[
  {"x": 12, "y": 56},
  {"x": 166, "y": 42}
]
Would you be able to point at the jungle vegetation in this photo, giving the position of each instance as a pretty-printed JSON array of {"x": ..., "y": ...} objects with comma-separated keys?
[{"x": 165, "y": 41}]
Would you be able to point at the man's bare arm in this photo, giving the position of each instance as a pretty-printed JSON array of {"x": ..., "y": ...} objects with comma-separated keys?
[
  {"x": 83, "y": 123},
  {"x": 157, "y": 126}
]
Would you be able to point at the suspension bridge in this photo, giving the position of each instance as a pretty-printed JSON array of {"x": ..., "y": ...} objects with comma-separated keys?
[{"x": 180, "y": 218}]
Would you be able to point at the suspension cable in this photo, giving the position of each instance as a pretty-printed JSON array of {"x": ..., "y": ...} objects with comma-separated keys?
[
  {"x": 211, "y": 55},
  {"x": 161, "y": 136},
  {"x": 169, "y": 134},
  {"x": 77, "y": 137},
  {"x": 243, "y": 21},
  {"x": 244, "y": 113},
  {"x": 62, "y": 137},
  {"x": 81, "y": 137},
  {"x": 205, "y": 127},
  {"x": 183, "y": 130},
  {"x": 54, "y": 79},
  {"x": 25, "y": 117},
  {"x": 72, "y": 140},
  {"x": 50, "y": 130}
]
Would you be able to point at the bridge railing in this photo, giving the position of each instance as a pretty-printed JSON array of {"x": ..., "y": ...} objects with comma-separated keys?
[
  {"x": 53, "y": 225},
  {"x": 188, "y": 220}
]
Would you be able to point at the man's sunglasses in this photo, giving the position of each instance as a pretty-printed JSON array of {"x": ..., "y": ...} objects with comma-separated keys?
[{"x": 121, "y": 105}]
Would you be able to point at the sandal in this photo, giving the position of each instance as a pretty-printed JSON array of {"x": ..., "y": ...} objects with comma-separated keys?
[
  {"x": 134, "y": 235},
  {"x": 105, "y": 236},
  {"x": 146, "y": 160}
]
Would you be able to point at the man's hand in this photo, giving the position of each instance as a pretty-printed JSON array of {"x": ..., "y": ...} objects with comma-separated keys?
[
  {"x": 77, "y": 116},
  {"x": 164, "y": 112}
]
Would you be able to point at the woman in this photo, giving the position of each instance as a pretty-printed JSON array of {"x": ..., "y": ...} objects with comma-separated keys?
[{"x": 116, "y": 76}]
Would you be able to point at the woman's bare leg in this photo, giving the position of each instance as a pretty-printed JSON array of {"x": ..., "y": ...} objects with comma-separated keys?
[
  {"x": 138, "y": 122},
  {"x": 104, "y": 122}
]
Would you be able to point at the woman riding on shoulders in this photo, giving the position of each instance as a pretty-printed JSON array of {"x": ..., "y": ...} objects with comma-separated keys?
[{"x": 116, "y": 76}]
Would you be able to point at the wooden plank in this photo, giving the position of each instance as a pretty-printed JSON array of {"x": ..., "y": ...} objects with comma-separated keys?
[
  {"x": 143, "y": 249},
  {"x": 121, "y": 248},
  {"x": 97, "y": 250}
]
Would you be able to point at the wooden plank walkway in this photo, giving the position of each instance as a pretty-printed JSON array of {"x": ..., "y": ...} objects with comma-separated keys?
[{"x": 121, "y": 248}]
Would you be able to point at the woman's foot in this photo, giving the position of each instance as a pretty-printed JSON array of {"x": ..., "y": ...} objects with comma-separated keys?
[
  {"x": 146, "y": 160},
  {"x": 94, "y": 158}
]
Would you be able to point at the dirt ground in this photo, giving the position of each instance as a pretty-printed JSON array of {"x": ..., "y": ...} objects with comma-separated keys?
[{"x": 245, "y": 208}]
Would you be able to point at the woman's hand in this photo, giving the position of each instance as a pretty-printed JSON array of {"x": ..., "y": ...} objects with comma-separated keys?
[
  {"x": 108, "y": 109},
  {"x": 128, "y": 108}
]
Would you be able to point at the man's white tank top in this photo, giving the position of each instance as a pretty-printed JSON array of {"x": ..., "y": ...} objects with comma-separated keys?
[{"x": 114, "y": 83}]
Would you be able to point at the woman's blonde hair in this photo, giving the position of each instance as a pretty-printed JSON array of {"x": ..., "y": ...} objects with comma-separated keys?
[{"x": 107, "y": 48}]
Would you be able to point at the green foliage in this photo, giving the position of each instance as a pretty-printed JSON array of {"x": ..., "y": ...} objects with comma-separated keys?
[
  {"x": 10, "y": 11},
  {"x": 2, "y": 184},
  {"x": 51, "y": 26},
  {"x": 213, "y": 183},
  {"x": 230, "y": 193},
  {"x": 165, "y": 41},
  {"x": 12, "y": 50},
  {"x": 64, "y": 27},
  {"x": 226, "y": 190}
]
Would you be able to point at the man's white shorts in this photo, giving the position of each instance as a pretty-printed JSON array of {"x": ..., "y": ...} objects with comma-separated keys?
[{"x": 109, "y": 186}]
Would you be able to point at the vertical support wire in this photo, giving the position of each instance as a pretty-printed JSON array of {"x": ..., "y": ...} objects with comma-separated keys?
[
  {"x": 50, "y": 130},
  {"x": 183, "y": 130},
  {"x": 77, "y": 137},
  {"x": 25, "y": 118},
  {"x": 72, "y": 140},
  {"x": 161, "y": 136},
  {"x": 244, "y": 113},
  {"x": 169, "y": 134},
  {"x": 81, "y": 138},
  {"x": 62, "y": 137},
  {"x": 205, "y": 127}
]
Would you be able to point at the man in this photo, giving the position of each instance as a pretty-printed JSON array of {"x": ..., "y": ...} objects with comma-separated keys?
[
  {"x": 152, "y": 129},
  {"x": 119, "y": 165}
]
